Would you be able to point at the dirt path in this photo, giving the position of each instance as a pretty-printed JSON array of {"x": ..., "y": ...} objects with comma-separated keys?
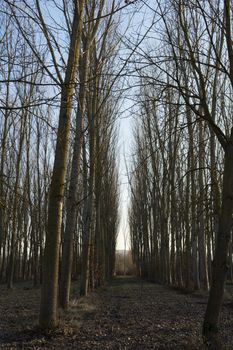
[{"x": 125, "y": 315}]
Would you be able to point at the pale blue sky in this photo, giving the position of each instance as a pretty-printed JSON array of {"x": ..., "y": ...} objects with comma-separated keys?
[{"x": 137, "y": 18}]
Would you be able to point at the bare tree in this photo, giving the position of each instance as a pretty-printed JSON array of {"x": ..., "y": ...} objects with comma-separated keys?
[{"x": 198, "y": 47}]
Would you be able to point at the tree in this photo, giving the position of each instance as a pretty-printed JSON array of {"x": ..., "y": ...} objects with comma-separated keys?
[
  {"x": 88, "y": 37},
  {"x": 49, "y": 291},
  {"x": 36, "y": 200},
  {"x": 196, "y": 61}
]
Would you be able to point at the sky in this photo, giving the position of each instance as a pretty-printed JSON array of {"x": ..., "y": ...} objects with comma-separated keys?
[
  {"x": 136, "y": 20},
  {"x": 125, "y": 146}
]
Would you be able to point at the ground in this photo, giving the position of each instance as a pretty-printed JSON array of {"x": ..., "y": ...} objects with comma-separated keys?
[{"x": 127, "y": 314}]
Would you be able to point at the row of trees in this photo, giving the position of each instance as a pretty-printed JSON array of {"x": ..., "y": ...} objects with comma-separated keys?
[
  {"x": 124, "y": 264},
  {"x": 58, "y": 204},
  {"x": 182, "y": 174}
]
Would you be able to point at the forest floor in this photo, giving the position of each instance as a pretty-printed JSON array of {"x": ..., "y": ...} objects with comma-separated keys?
[{"x": 127, "y": 314}]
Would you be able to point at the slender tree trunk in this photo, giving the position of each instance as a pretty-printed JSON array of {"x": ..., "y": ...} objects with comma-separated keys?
[
  {"x": 88, "y": 228},
  {"x": 67, "y": 251},
  {"x": 203, "y": 271},
  {"x": 86, "y": 237},
  {"x": 49, "y": 292},
  {"x": 11, "y": 265},
  {"x": 220, "y": 265}
]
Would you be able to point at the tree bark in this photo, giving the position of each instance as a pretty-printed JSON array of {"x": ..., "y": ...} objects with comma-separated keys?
[
  {"x": 67, "y": 251},
  {"x": 49, "y": 292},
  {"x": 220, "y": 265}
]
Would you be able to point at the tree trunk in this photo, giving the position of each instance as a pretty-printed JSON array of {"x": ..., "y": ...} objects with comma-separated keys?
[
  {"x": 11, "y": 265},
  {"x": 67, "y": 251},
  {"x": 87, "y": 215},
  {"x": 203, "y": 271},
  {"x": 49, "y": 292},
  {"x": 220, "y": 266}
]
